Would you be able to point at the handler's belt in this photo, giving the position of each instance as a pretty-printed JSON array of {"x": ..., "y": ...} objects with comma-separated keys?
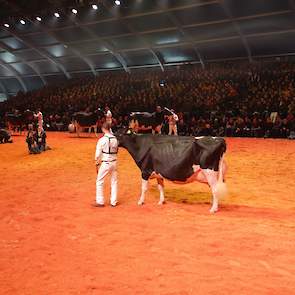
[
  {"x": 109, "y": 152},
  {"x": 109, "y": 161}
]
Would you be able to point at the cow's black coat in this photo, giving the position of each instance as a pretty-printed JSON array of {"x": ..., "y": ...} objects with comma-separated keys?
[
  {"x": 19, "y": 120},
  {"x": 173, "y": 157},
  {"x": 87, "y": 119}
]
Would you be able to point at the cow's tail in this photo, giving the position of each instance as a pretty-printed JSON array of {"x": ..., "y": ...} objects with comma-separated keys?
[{"x": 221, "y": 188}]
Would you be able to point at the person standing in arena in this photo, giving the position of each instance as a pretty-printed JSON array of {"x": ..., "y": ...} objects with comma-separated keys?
[
  {"x": 108, "y": 115},
  {"x": 106, "y": 163},
  {"x": 173, "y": 119},
  {"x": 39, "y": 117}
]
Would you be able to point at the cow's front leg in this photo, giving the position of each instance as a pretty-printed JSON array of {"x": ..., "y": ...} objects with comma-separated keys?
[
  {"x": 161, "y": 190},
  {"x": 212, "y": 181},
  {"x": 78, "y": 130},
  {"x": 144, "y": 187}
]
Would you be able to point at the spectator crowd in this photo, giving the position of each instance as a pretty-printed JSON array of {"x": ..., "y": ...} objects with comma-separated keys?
[{"x": 224, "y": 99}]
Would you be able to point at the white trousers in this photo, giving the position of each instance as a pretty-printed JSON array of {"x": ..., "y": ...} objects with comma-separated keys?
[
  {"x": 172, "y": 129},
  {"x": 105, "y": 169},
  {"x": 273, "y": 116}
]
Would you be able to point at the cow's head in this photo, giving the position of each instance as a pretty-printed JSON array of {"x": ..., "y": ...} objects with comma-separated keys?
[{"x": 123, "y": 135}]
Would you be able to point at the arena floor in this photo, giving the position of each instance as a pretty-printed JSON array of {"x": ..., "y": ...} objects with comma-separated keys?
[{"x": 53, "y": 242}]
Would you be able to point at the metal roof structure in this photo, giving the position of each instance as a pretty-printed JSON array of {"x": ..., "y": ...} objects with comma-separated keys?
[{"x": 138, "y": 33}]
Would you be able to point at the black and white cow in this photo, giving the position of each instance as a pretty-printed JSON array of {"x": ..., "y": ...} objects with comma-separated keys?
[
  {"x": 180, "y": 159},
  {"x": 19, "y": 121},
  {"x": 87, "y": 120},
  {"x": 141, "y": 122},
  {"x": 5, "y": 136}
]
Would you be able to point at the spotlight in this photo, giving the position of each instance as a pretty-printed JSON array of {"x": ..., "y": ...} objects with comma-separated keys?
[
  {"x": 118, "y": 2},
  {"x": 22, "y": 22},
  {"x": 75, "y": 11},
  {"x": 38, "y": 18},
  {"x": 6, "y": 25},
  {"x": 94, "y": 6},
  {"x": 56, "y": 14}
]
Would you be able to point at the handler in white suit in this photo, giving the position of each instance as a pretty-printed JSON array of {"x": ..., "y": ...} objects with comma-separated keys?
[{"x": 106, "y": 163}]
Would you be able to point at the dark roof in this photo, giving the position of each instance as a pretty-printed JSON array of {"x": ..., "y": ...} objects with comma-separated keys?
[{"x": 137, "y": 33}]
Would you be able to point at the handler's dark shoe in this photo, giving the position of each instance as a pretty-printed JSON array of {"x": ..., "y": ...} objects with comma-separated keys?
[{"x": 97, "y": 205}]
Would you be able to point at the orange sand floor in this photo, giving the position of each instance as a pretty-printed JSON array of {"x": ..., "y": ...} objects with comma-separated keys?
[{"x": 53, "y": 242}]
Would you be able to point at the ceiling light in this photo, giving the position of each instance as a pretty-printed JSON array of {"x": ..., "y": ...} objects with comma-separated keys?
[
  {"x": 75, "y": 11},
  {"x": 6, "y": 25},
  {"x": 56, "y": 14},
  {"x": 38, "y": 18},
  {"x": 94, "y": 6},
  {"x": 117, "y": 2},
  {"x": 22, "y": 22}
]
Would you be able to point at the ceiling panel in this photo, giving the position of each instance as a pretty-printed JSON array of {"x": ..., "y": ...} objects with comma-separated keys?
[
  {"x": 4, "y": 33},
  {"x": 212, "y": 31},
  {"x": 108, "y": 29},
  {"x": 29, "y": 27},
  {"x": 207, "y": 13},
  {"x": 8, "y": 57},
  {"x": 71, "y": 34},
  {"x": 13, "y": 43},
  {"x": 41, "y": 39},
  {"x": 58, "y": 50},
  {"x": 222, "y": 49},
  {"x": 273, "y": 44},
  {"x": 91, "y": 15},
  {"x": 90, "y": 47},
  {"x": 151, "y": 22},
  {"x": 250, "y": 7},
  {"x": 268, "y": 24},
  {"x": 28, "y": 55},
  {"x": 23, "y": 69},
  {"x": 46, "y": 67},
  {"x": 130, "y": 7},
  {"x": 4, "y": 72},
  {"x": 74, "y": 64},
  {"x": 178, "y": 54},
  {"x": 164, "y": 38},
  {"x": 105, "y": 61},
  {"x": 139, "y": 58},
  {"x": 128, "y": 42}
]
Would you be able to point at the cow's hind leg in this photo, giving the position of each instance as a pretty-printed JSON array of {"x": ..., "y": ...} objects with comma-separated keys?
[
  {"x": 161, "y": 190},
  {"x": 144, "y": 187},
  {"x": 211, "y": 177}
]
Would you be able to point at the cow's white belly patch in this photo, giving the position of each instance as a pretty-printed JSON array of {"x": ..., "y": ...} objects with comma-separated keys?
[{"x": 198, "y": 175}]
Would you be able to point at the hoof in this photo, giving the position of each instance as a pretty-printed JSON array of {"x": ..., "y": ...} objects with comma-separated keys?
[
  {"x": 161, "y": 202},
  {"x": 140, "y": 203},
  {"x": 213, "y": 210}
]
